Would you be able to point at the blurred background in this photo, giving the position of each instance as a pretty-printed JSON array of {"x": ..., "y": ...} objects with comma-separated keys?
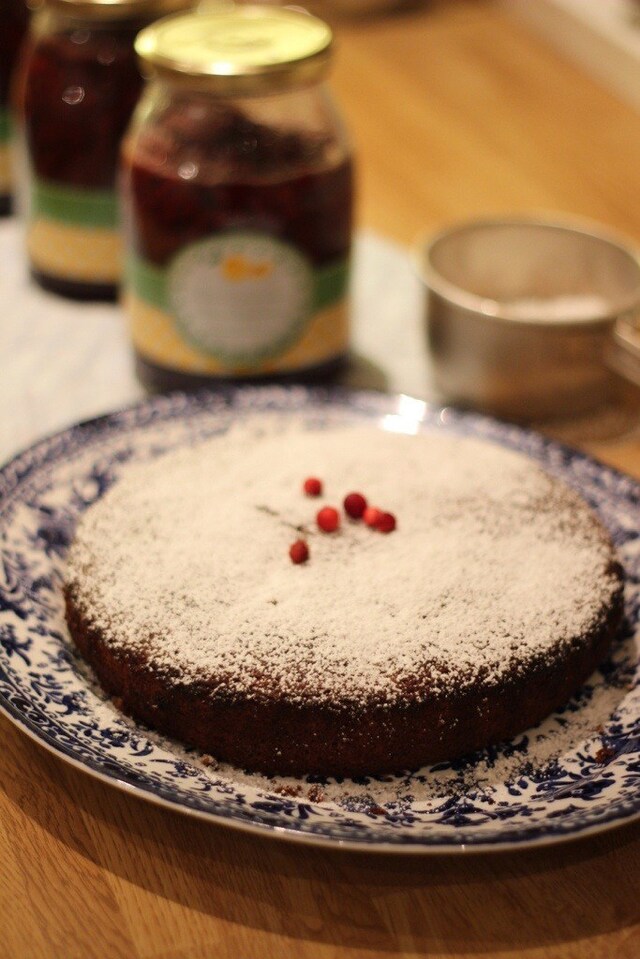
[{"x": 455, "y": 109}]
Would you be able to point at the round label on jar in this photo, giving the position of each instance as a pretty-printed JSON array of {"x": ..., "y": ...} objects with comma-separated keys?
[{"x": 240, "y": 297}]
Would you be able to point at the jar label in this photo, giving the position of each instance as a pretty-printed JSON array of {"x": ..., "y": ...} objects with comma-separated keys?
[
  {"x": 238, "y": 303},
  {"x": 73, "y": 232}
]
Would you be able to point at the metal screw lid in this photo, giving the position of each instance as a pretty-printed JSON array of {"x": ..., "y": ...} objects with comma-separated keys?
[{"x": 238, "y": 49}]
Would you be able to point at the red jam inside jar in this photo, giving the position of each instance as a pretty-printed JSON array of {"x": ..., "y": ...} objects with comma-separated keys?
[
  {"x": 238, "y": 175},
  {"x": 15, "y": 19},
  {"x": 78, "y": 91}
]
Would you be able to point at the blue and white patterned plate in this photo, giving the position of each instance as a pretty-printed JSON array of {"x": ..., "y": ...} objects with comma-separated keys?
[{"x": 576, "y": 773}]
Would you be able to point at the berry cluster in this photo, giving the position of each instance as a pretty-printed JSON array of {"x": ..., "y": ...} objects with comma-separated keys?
[{"x": 328, "y": 518}]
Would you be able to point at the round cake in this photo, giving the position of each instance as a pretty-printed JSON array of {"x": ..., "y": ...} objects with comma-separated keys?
[{"x": 492, "y": 600}]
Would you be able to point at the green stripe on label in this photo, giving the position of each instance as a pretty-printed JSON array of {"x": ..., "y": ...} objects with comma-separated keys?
[
  {"x": 65, "y": 204},
  {"x": 5, "y": 125},
  {"x": 149, "y": 283},
  {"x": 330, "y": 284}
]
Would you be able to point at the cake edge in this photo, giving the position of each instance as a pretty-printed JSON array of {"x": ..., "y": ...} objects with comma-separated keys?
[{"x": 281, "y": 736}]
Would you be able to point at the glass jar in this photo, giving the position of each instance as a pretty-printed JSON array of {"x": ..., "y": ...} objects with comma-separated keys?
[
  {"x": 237, "y": 196},
  {"x": 77, "y": 88},
  {"x": 15, "y": 19}
]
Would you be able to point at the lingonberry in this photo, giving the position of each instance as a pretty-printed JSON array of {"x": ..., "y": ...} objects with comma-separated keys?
[
  {"x": 386, "y": 523},
  {"x": 371, "y": 516},
  {"x": 312, "y": 486},
  {"x": 328, "y": 519},
  {"x": 299, "y": 551},
  {"x": 354, "y": 505}
]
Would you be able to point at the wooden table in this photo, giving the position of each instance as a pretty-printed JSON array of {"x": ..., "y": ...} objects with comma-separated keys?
[{"x": 456, "y": 110}]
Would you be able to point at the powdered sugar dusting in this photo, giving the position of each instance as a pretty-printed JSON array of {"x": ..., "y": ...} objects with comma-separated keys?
[{"x": 493, "y": 563}]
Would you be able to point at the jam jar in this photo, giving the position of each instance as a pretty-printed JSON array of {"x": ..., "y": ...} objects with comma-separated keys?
[
  {"x": 15, "y": 19},
  {"x": 76, "y": 90},
  {"x": 237, "y": 183}
]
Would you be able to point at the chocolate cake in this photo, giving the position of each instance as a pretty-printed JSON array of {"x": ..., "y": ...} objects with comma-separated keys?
[{"x": 489, "y": 604}]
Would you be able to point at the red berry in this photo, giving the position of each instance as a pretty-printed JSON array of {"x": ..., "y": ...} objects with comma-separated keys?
[
  {"x": 386, "y": 523},
  {"x": 354, "y": 505},
  {"x": 328, "y": 519},
  {"x": 312, "y": 486},
  {"x": 299, "y": 551},
  {"x": 371, "y": 516}
]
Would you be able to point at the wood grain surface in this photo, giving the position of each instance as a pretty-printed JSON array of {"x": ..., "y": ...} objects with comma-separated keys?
[{"x": 455, "y": 110}]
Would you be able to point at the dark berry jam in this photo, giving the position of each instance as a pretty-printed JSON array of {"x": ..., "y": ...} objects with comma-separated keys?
[
  {"x": 77, "y": 94},
  {"x": 237, "y": 175},
  {"x": 208, "y": 172},
  {"x": 15, "y": 18}
]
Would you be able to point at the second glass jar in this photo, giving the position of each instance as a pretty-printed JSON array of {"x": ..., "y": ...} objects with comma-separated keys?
[
  {"x": 238, "y": 196},
  {"x": 76, "y": 89}
]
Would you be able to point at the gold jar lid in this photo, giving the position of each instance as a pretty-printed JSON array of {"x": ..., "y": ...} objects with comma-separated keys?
[
  {"x": 238, "y": 49},
  {"x": 118, "y": 9}
]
